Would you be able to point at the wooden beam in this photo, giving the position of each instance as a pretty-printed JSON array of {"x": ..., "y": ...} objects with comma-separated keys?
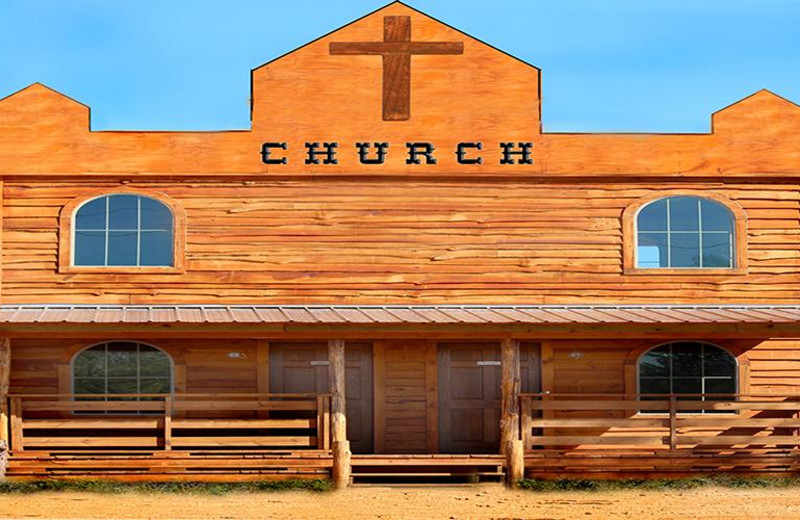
[
  {"x": 510, "y": 441},
  {"x": 262, "y": 371},
  {"x": 5, "y": 383},
  {"x": 510, "y": 390},
  {"x": 340, "y": 444}
]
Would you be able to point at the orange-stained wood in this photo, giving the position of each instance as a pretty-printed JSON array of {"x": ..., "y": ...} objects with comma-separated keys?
[{"x": 310, "y": 95}]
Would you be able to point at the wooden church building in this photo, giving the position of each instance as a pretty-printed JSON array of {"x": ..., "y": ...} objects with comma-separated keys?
[{"x": 396, "y": 272}]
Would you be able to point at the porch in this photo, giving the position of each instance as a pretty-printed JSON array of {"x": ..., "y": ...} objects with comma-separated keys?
[
  {"x": 258, "y": 393},
  {"x": 185, "y": 437}
]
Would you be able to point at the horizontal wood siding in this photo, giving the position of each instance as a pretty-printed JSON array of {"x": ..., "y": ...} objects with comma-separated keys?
[
  {"x": 338, "y": 241},
  {"x": 41, "y": 366}
]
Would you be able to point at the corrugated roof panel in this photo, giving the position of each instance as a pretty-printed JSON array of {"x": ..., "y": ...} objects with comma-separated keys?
[
  {"x": 55, "y": 314},
  {"x": 136, "y": 315},
  {"x": 28, "y": 315},
  {"x": 353, "y": 315},
  {"x": 326, "y": 315},
  {"x": 462, "y": 315},
  {"x": 163, "y": 314},
  {"x": 243, "y": 315},
  {"x": 433, "y": 315},
  {"x": 381, "y": 315},
  {"x": 190, "y": 314},
  {"x": 407, "y": 315},
  {"x": 487, "y": 315},
  {"x": 298, "y": 315},
  {"x": 270, "y": 315}
]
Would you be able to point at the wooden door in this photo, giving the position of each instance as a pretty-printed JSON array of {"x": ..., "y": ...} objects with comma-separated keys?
[
  {"x": 469, "y": 394},
  {"x": 302, "y": 367}
]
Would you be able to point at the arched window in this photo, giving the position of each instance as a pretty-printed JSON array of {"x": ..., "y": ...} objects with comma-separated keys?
[
  {"x": 123, "y": 230},
  {"x": 122, "y": 367},
  {"x": 687, "y": 367},
  {"x": 685, "y": 232}
]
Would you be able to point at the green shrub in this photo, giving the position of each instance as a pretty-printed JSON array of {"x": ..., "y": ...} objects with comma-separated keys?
[
  {"x": 727, "y": 481},
  {"x": 110, "y": 486}
]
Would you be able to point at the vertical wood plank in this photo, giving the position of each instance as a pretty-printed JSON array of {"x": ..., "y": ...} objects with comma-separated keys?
[
  {"x": 432, "y": 397},
  {"x": 379, "y": 384},
  {"x": 548, "y": 376},
  {"x": 180, "y": 385},
  {"x": 526, "y": 419},
  {"x": 5, "y": 383},
  {"x": 64, "y": 385},
  {"x": 169, "y": 406},
  {"x": 17, "y": 440},
  {"x": 673, "y": 419},
  {"x": 262, "y": 372},
  {"x": 321, "y": 422},
  {"x": 326, "y": 422},
  {"x": 340, "y": 445}
]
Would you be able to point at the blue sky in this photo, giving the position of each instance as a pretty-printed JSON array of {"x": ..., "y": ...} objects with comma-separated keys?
[{"x": 608, "y": 65}]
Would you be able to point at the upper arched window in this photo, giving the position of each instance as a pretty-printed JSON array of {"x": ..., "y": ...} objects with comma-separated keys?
[
  {"x": 685, "y": 232},
  {"x": 122, "y": 367},
  {"x": 123, "y": 230},
  {"x": 687, "y": 367}
]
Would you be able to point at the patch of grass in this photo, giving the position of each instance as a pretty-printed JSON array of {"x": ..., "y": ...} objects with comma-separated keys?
[
  {"x": 727, "y": 481},
  {"x": 212, "y": 488}
]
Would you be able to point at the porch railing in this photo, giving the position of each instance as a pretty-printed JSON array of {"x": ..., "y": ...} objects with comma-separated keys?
[
  {"x": 659, "y": 422},
  {"x": 51, "y": 422}
]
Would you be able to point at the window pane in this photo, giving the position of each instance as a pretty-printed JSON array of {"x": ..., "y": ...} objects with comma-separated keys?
[
  {"x": 682, "y": 385},
  {"x": 652, "y": 250},
  {"x": 653, "y": 217},
  {"x": 153, "y": 363},
  {"x": 122, "y": 386},
  {"x": 683, "y": 214},
  {"x": 718, "y": 362},
  {"x": 717, "y": 250},
  {"x": 122, "y": 247},
  {"x": 122, "y": 359},
  {"x": 156, "y": 248},
  {"x": 654, "y": 386},
  {"x": 154, "y": 386},
  {"x": 155, "y": 215},
  {"x": 685, "y": 250},
  {"x": 686, "y": 359},
  {"x": 720, "y": 386},
  {"x": 92, "y": 215},
  {"x": 90, "y": 386},
  {"x": 91, "y": 363},
  {"x": 90, "y": 247},
  {"x": 716, "y": 217},
  {"x": 655, "y": 363},
  {"x": 123, "y": 212}
]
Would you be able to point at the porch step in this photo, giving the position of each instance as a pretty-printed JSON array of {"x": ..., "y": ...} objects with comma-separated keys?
[{"x": 439, "y": 468}]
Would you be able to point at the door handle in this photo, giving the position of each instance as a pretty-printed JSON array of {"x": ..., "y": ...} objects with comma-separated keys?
[
  {"x": 488, "y": 363},
  {"x": 316, "y": 363}
]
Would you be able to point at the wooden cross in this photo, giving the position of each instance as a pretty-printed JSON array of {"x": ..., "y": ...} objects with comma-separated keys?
[{"x": 396, "y": 49}]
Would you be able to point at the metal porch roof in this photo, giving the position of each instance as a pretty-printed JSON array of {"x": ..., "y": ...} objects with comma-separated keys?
[{"x": 399, "y": 314}]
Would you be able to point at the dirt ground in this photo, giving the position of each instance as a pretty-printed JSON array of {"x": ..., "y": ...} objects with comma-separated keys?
[{"x": 489, "y": 502}]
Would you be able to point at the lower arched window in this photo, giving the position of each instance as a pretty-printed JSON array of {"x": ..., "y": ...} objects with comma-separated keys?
[
  {"x": 122, "y": 367},
  {"x": 688, "y": 367}
]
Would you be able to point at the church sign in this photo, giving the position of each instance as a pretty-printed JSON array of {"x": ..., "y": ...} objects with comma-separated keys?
[{"x": 415, "y": 152}]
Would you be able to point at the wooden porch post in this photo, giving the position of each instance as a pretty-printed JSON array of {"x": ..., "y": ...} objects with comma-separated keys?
[
  {"x": 5, "y": 382},
  {"x": 510, "y": 441},
  {"x": 339, "y": 445}
]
